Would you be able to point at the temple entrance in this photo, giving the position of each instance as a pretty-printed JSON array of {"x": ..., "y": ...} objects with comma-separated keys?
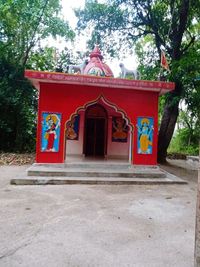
[
  {"x": 95, "y": 137},
  {"x": 99, "y": 131}
]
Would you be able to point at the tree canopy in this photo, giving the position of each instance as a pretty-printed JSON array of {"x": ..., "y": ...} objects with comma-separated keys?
[
  {"x": 149, "y": 26},
  {"x": 23, "y": 25}
]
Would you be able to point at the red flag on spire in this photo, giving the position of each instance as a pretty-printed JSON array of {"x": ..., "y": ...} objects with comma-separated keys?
[{"x": 164, "y": 62}]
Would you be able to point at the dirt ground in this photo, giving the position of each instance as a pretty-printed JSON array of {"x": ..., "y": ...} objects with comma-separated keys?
[{"x": 98, "y": 225}]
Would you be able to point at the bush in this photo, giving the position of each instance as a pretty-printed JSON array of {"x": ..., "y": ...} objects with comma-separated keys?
[
  {"x": 184, "y": 142},
  {"x": 18, "y": 106}
]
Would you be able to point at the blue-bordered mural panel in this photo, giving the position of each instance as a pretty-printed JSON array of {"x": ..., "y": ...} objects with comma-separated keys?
[
  {"x": 72, "y": 128},
  {"x": 50, "y": 132},
  {"x": 145, "y": 127},
  {"x": 119, "y": 130}
]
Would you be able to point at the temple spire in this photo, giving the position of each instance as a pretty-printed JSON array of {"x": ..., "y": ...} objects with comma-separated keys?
[
  {"x": 96, "y": 66},
  {"x": 96, "y": 52}
]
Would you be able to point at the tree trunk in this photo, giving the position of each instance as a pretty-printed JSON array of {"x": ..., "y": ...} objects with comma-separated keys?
[{"x": 168, "y": 122}]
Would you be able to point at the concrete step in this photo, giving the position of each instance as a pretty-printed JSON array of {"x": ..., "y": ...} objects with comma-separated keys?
[
  {"x": 85, "y": 165},
  {"x": 94, "y": 181},
  {"x": 49, "y": 171},
  {"x": 95, "y": 173},
  {"x": 68, "y": 173}
]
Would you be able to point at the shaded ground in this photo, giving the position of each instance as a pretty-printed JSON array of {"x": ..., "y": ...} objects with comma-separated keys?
[{"x": 93, "y": 225}]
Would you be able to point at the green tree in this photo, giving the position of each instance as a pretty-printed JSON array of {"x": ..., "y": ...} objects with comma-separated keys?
[
  {"x": 186, "y": 138},
  {"x": 174, "y": 25},
  {"x": 23, "y": 25},
  {"x": 53, "y": 59},
  {"x": 188, "y": 69},
  {"x": 18, "y": 104}
]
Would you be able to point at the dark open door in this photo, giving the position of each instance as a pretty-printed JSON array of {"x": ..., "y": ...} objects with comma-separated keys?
[{"x": 95, "y": 131}]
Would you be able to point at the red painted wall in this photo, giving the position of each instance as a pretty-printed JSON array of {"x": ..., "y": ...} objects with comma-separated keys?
[{"x": 65, "y": 99}]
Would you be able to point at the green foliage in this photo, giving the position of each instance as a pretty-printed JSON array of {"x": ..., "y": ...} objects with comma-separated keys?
[
  {"x": 186, "y": 139},
  {"x": 161, "y": 105},
  {"x": 146, "y": 26},
  {"x": 42, "y": 59},
  {"x": 18, "y": 105},
  {"x": 23, "y": 24},
  {"x": 149, "y": 66},
  {"x": 179, "y": 143},
  {"x": 51, "y": 59},
  {"x": 105, "y": 23}
]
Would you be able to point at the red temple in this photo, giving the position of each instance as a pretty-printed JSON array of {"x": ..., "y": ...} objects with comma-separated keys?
[{"x": 95, "y": 115}]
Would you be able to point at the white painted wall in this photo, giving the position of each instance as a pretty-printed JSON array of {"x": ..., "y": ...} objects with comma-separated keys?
[{"x": 75, "y": 147}]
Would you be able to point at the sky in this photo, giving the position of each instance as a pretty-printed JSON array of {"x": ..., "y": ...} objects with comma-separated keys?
[
  {"x": 68, "y": 13},
  {"x": 80, "y": 45}
]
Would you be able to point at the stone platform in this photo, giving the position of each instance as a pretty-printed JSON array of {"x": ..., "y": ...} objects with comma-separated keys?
[{"x": 95, "y": 173}]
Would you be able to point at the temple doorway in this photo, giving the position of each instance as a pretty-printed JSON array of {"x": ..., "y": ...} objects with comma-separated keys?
[
  {"x": 99, "y": 131},
  {"x": 95, "y": 136}
]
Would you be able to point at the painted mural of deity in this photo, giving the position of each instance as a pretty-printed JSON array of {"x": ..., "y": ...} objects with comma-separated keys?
[
  {"x": 50, "y": 131},
  {"x": 145, "y": 135},
  {"x": 119, "y": 130},
  {"x": 96, "y": 72},
  {"x": 72, "y": 128}
]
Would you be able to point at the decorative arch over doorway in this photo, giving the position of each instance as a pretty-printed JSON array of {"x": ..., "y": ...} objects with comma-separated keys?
[{"x": 100, "y": 107}]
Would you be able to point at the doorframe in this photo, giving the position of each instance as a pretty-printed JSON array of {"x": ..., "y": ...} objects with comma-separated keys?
[{"x": 105, "y": 130}]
